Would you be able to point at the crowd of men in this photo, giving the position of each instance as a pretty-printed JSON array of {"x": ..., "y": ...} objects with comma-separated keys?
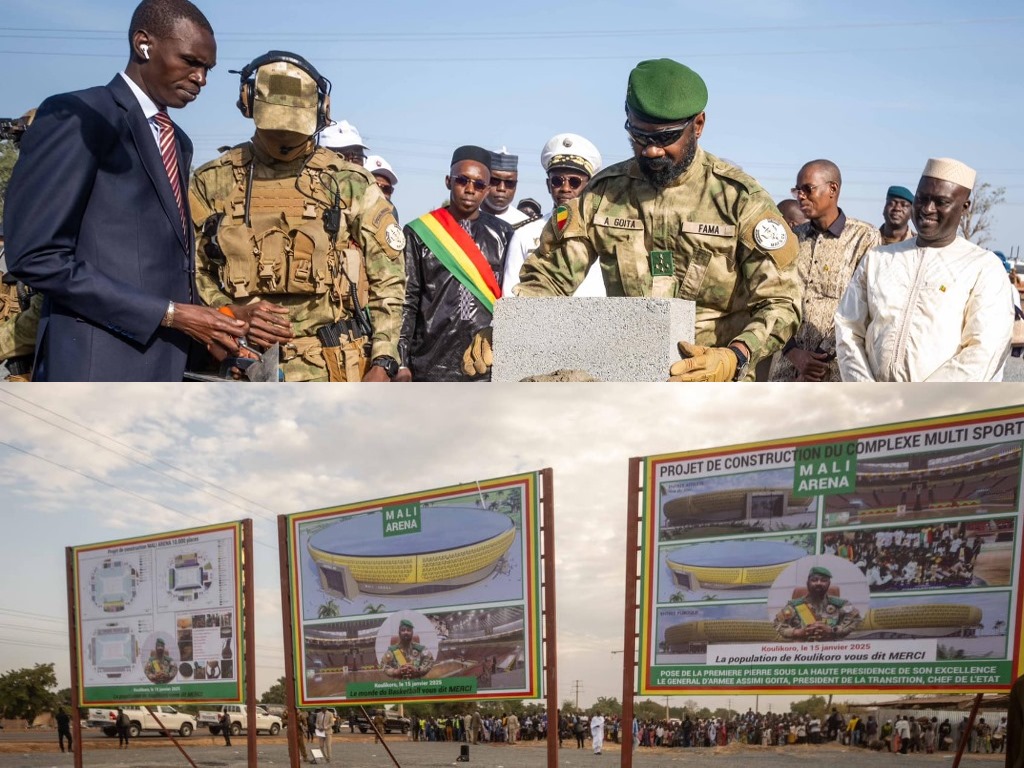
[
  {"x": 284, "y": 259},
  {"x": 938, "y": 555},
  {"x": 903, "y": 734}
]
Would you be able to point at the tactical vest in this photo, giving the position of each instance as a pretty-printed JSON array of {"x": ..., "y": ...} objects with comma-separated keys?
[
  {"x": 10, "y": 304},
  {"x": 285, "y": 248}
]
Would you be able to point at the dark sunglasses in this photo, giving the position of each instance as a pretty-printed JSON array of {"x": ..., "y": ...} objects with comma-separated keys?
[
  {"x": 354, "y": 157},
  {"x": 807, "y": 189},
  {"x": 574, "y": 182},
  {"x": 387, "y": 189},
  {"x": 510, "y": 183},
  {"x": 465, "y": 181},
  {"x": 664, "y": 138}
]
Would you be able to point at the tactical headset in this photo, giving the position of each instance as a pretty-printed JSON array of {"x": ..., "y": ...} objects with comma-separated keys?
[{"x": 247, "y": 86}]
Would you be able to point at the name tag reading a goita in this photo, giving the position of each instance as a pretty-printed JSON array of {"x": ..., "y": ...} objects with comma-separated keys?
[
  {"x": 618, "y": 223},
  {"x": 720, "y": 230}
]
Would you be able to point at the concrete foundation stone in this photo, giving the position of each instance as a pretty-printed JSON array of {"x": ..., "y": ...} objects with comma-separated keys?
[{"x": 611, "y": 338}]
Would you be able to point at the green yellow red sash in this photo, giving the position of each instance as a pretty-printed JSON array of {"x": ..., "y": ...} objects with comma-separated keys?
[{"x": 455, "y": 249}]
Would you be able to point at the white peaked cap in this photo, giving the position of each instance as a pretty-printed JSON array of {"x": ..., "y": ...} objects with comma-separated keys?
[
  {"x": 378, "y": 165},
  {"x": 570, "y": 150},
  {"x": 948, "y": 169},
  {"x": 341, "y": 134}
]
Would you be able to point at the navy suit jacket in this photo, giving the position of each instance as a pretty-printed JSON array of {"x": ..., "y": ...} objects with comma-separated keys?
[{"x": 91, "y": 223}]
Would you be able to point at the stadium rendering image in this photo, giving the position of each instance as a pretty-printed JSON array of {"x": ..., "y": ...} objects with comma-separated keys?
[
  {"x": 930, "y": 485},
  {"x": 731, "y": 564},
  {"x": 735, "y": 511},
  {"x": 487, "y": 644},
  {"x": 454, "y": 547}
]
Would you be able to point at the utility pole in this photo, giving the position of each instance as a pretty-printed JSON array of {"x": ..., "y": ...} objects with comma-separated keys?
[{"x": 576, "y": 687}]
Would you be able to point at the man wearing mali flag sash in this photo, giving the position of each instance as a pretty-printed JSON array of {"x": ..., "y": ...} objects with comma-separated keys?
[{"x": 454, "y": 259}]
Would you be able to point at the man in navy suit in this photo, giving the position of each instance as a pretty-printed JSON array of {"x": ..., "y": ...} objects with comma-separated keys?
[{"x": 94, "y": 222}]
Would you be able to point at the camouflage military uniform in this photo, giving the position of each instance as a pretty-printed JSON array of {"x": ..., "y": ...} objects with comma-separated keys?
[
  {"x": 18, "y": 331},
  {"x": 826, "y": 264},
  {"x": 839, "y": 615},
  {"x": 285, "y": 256},
  {"x": 714, "y": 237}
]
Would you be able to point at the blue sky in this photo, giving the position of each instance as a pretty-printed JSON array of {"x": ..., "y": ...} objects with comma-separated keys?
[
  {"x": 81, "y": 464},
  {"x": 877, "y": 87}
]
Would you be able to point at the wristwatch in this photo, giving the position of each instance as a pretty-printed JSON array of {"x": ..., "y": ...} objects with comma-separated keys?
[
  {"x": 389, "y": 364},
  {"x": 741, "y": 363}
]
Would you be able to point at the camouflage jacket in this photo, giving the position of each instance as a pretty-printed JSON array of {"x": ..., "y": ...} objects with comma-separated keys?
[
  {"x": 17, "y": 327},
  {"x": 713, "y": 237},
  {"x": 367, "y": 222}
]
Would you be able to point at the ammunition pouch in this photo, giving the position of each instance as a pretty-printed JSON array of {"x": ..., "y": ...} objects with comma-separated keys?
[
  {"x": 19, "y": 368},
  {"x": 273, "y": 255},
  {"x": 345, "y": 352},
  {"x": 9, "y": 304},
  {"x": 211, "y": 245}
]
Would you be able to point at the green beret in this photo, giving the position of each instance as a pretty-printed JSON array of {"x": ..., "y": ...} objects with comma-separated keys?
[
  {"x": 901, "y": 192},
  {"x": 405, "y": 623},
  {"x": 818, "y": 570},
  {"x": 665, "y": 91}
]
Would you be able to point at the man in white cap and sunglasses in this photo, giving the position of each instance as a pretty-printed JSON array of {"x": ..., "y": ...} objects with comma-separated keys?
[
  {"x": 935, "y": 308},
  {"x": 569, "y": 160},
  {"x": 343, "y": 137}
]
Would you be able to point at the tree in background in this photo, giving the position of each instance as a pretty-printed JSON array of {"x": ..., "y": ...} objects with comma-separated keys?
[
  {"x": 816, "y": 706},
  {"x": 649, "y": 710},
  {"x": 26, "y": 693},
  {"x": 274, "y": 694},
  {"x": 976, "y": 223},
  {"x": 607, "y": 706}
]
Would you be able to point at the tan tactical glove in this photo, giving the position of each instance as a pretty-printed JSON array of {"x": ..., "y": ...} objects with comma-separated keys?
[
  {"x": 703, "y": 363},
  {"x": 478, "y": 357}
]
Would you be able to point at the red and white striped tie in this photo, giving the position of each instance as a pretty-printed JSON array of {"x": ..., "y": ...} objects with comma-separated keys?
[{"x": 169, "y": 154}]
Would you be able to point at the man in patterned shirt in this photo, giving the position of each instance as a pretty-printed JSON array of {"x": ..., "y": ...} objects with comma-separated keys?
[{"x": 831, "y": 247}]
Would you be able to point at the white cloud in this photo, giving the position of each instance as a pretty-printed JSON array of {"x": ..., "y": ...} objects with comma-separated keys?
[{"x": 291, "y": 448}]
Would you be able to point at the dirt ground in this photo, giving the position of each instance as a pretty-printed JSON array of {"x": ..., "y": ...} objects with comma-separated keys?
[{"x": 357, "y": 750}]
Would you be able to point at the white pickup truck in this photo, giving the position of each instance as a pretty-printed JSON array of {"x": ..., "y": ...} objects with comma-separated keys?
[
  {"x": 239, "y": 720},
  {"x": 141, "y": 720}
]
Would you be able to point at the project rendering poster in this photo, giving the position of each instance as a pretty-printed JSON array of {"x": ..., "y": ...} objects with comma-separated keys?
[
  {"x": 158, "y": 617},
  {"x": 427, "y": 596},
  {"x": 871, "y": 560}
]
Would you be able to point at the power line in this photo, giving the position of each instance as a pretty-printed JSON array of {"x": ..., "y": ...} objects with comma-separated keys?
[
  {"x": 366, "y": 36},
  {"x": 108, "y": 484},
  {"x": 148, "y": 455},
  {"x": 433, "y": 58},
  {"x": 27, "y": 614}
]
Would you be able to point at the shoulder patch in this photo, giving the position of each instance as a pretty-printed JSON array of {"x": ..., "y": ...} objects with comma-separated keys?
[
  {"x": 395, "y": 237},
  {"x": 561, "y": 217},
  {"x": 770, "y": 234}
]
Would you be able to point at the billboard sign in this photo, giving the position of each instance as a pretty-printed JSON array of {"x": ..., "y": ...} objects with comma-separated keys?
[
  {"x": 158, "y": 617},
  {"x": 871, "y": 560},
  {"x": 427, "y": 596}
]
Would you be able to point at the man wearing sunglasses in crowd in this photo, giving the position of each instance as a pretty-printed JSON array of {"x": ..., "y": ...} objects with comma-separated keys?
[
  {"x": 504, "y": 180},
  {"x": 454, "y": 260},
  {"x": 677, "y": 222},
  {"x": 569, "y": 161},
  {"x": 385, "y": 177}
]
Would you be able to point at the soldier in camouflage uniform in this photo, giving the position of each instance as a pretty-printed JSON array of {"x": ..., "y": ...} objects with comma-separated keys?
[
  {"x": 19, "y": 319},
  {"x": 677, "y": 222},
  {"x": 299, "y": 242},
  {"x": 817, "y": 615},
  {"x": 19, "y": 305}
]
